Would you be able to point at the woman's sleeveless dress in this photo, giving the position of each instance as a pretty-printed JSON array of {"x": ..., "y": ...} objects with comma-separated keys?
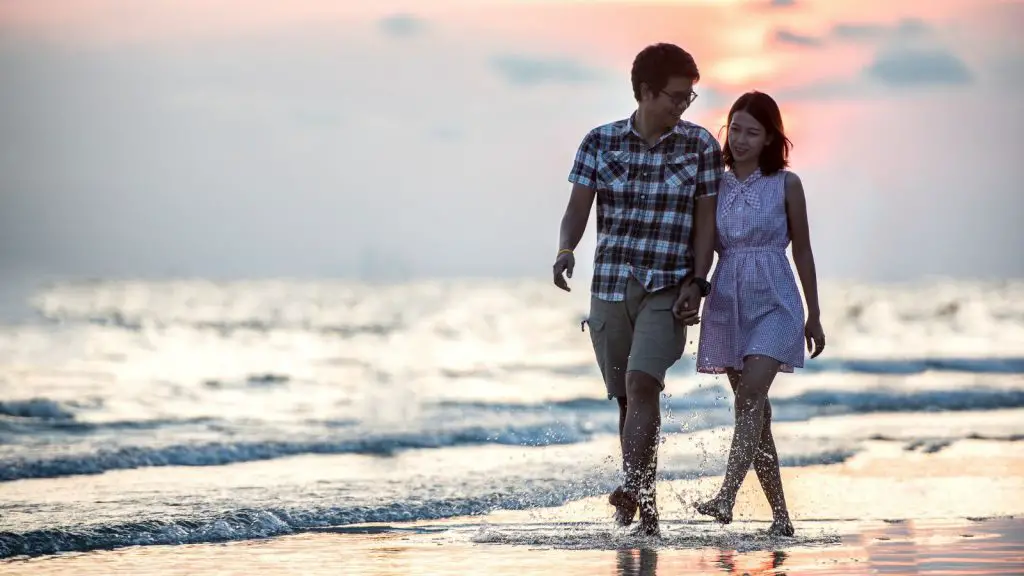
[{"x": 754, "y": 306}]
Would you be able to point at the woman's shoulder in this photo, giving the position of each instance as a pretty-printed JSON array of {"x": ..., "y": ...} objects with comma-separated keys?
[
  {"x": 787, "y": 179},
  {"x": 793, "y": 187},
  {"x": 789, "y": 176},
  {"x": 790, "y": 179}
]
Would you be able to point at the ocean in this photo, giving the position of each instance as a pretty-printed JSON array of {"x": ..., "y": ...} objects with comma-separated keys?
[{"x": 194, "y": 411}]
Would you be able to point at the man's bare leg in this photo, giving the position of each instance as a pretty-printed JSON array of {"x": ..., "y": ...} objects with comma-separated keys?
[
  {"x": 751, "y": 396},
  {"x": 625, "y": 503},
  {"x": 640, "y": 445}
]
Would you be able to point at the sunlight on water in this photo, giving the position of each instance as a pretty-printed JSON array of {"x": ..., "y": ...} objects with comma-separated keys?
[{"x": 193, "y": 411}]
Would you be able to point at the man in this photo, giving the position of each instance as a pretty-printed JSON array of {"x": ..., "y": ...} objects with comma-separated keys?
[{"x": 655, "y": 178}]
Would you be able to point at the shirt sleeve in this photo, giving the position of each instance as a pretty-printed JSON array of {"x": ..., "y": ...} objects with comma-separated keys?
[
  {"x": 584, "y": 167},
  {"x": 709, "y": 168}
]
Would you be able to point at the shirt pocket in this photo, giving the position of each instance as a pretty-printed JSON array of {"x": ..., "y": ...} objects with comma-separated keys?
[
  {"x": 613, "y": 167},
  {"x": 680, "y": 174}
]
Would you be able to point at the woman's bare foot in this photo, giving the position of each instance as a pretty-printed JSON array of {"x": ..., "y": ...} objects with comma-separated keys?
[
  {"x": 717, "y": 508},
  {"x": 781, "y": 527},
  {"x": 625, "y": 506}
]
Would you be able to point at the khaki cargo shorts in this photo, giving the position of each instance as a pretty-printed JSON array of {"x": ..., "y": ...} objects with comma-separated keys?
[{"x": 639, "y": 333}]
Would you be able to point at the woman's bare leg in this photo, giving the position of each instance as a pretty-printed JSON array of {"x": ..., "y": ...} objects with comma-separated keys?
[{"x": 752, "y": 443}]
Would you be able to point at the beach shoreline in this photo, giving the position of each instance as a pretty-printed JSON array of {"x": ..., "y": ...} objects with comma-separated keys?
[{"x": 957, "y": 509}]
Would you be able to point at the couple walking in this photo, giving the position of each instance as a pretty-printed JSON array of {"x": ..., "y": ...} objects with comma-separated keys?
[{"x": 665, "y": 205}]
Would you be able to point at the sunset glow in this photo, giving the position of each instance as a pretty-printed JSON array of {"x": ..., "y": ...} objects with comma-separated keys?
[{"x": 305, "y": 99}]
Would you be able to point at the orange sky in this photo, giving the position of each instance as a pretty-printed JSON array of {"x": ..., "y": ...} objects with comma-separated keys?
[
  {"x": 733, "y": 40},
  {"x": 284, "y": 111}
]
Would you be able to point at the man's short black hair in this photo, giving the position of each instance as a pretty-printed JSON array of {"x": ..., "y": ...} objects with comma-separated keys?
[{"x": 657, "y": 63}]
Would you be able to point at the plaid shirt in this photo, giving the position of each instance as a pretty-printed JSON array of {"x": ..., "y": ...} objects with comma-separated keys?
[{"x": 645, "y": 201}]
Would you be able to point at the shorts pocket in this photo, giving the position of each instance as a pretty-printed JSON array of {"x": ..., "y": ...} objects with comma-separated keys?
[
  {"x": 667, "y": 333},
  {"x": 611, "y": 347},
  {"x": 598, "y": 329}
]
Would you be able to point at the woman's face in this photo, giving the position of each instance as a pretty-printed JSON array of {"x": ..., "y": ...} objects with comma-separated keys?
[{"x": 747, "y": 137}]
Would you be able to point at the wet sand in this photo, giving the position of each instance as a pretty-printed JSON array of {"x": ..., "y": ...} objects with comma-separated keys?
[{"x": 888, "y": 510}]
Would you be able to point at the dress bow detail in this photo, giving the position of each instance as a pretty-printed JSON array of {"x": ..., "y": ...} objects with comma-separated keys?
[{"x": 743, "y": 191}]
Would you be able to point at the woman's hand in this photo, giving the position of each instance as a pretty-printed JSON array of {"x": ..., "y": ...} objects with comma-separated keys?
[
  {"x": 686, "y": 308},
  {"x": 815, "y": 335}
]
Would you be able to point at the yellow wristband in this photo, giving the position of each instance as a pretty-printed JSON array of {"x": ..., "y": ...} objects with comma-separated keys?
[{"x": 563, "y": 251}]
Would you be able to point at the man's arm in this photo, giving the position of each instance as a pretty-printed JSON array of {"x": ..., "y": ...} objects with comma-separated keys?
[
  {"x": 574, "y": 222},
  {"x": 577, "y": 213},
  {"x": 709, "y": 178},
  {"x": 704, "y": 230}
]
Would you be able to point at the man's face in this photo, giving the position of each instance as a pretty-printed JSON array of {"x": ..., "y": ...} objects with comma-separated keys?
[{"x": 669, "y": 104}]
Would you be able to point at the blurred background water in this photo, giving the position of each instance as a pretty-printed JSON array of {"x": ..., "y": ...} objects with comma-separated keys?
[{"x": 309, "y": 403}]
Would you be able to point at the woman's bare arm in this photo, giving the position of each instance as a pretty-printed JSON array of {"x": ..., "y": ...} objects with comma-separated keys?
[{"x": 800, "y": 236}]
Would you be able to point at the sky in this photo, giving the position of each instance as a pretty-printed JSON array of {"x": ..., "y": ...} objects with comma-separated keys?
[{"x": 317, "y": 138}]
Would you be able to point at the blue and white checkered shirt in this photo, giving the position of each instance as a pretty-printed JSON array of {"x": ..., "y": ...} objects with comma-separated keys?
[{"x": 645, "y": 201}]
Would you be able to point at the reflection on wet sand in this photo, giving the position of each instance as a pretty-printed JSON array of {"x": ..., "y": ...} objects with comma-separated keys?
[
  {"x": 770, "y": 565},
  {"x": 950, "y": 547},
  {"x": 642, "y": 562},
  {"x": 979, "y": 548}
]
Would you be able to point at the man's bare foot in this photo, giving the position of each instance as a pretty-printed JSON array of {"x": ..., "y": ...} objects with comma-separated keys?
[
  {"x": 625, "y": 506},
  {"x": 717, "y": 508},
  {"x": 781, "y": 527},
  {"x": 648, "y": 515},
  {"x": 648, "y": 528}
]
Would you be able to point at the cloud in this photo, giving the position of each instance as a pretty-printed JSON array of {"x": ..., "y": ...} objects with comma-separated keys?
[
  {"x": 533, "y": 71},
  {"x": 783, "y": 3},
  {"x": 712, "y": 97},
  {"x": 908, "y": 28},
  {"x": 402, "y": 25},
  {"x": 445, "y": 133},
  {"x": 828, "y": 89},
  {"x": 857, "y": 32},
  {"x": 1009, "y": 71},
  {"x": 796, "y": 39},
  {"x": 916, "y": 68},
  {"x": 890, "y": 70}
]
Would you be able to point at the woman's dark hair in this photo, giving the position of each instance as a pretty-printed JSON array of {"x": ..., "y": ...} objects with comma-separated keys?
[
  {"x": 657, "y": 63},
  {"x": 775, "y": 155}
]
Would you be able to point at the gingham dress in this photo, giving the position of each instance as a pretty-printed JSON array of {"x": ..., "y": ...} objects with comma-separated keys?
[{"x": 754, "y": 306}]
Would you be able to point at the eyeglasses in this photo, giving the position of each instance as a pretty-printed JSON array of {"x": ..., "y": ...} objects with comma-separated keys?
[{"x": 681, "y": 99}]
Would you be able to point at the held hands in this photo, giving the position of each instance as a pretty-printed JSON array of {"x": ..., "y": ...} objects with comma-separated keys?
[
  {"x": 687, "y": 306},
  {"x": 564, "y": 263},
  {"x": 815, "y": 335}
]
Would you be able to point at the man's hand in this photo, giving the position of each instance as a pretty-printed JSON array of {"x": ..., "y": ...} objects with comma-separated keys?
[
  {"x": 687, "y": 305},
  {"x": 564, "y": 263}
]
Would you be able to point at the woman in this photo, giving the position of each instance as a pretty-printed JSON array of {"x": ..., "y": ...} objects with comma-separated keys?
[{"x": 753, "y": 320}]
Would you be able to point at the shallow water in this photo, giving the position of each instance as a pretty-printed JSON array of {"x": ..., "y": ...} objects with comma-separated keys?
[
  {"x": 982, "y": 548},
  {"x": 192, "y": 411}
]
